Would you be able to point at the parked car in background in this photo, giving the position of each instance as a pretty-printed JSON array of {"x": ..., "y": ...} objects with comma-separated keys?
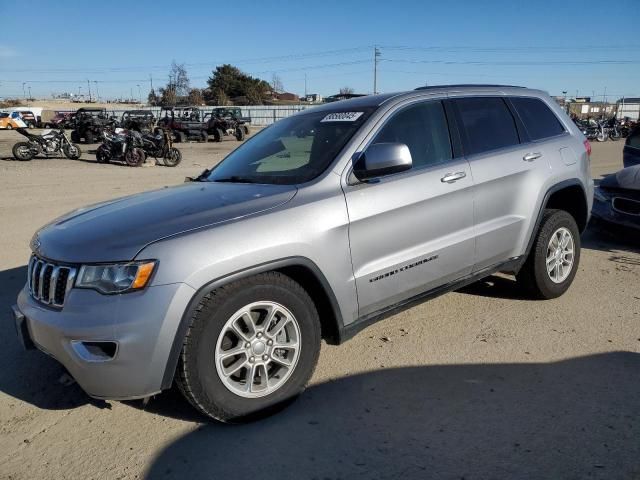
[
  {"x": 631, "y": 152},
  {"x": 32, "y": 116},
  {"x": 617, "y": 199},
  {"x": 11, "y": 121},
  {"x": 322, "y": 224},
  {"x": 61, "y": 120}
]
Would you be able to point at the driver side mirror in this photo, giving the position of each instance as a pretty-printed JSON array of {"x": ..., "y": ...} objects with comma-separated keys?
[{"x": 382, "y": 159}]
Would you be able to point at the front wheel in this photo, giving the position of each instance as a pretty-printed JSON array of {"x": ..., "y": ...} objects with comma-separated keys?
[
  {"x": 251, "y": 348},
  {"x": 172, "y": 158},
  {"x": 72, "y": 151},
  {"x": 553, "y": 261},
  {"x": 601, "y": 137},
  {"x": 135, "y": 157},
  {"x": 239, "y": 134},
  {"x": 22, "y": 151}
]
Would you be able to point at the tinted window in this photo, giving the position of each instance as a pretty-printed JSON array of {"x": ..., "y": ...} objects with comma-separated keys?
[
  {"x": 634, "y": 139},
  {"x": 538, "y": 119},
  {"x": 423, "y": 128},
  {"x": 487, "y": 124}
]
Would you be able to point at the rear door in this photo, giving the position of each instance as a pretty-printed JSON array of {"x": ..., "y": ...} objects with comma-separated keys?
[
  {"x": 412, "y": 231},
  {"x": 508, "y": 172}
]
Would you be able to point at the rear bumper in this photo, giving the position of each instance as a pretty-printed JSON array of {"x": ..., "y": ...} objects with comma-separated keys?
[{"x": 139, "y": 326}]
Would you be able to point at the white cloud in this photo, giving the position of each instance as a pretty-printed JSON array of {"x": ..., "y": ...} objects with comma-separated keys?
[{"x": 7, "y": 51}]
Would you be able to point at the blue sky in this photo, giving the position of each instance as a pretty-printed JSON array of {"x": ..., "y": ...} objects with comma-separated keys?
[{"x": 583, "y": 46}]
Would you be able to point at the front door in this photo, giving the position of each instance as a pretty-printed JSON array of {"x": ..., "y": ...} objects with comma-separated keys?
[{"x": 413, "y": 231}]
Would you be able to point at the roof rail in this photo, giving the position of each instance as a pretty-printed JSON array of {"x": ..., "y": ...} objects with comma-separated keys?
[{"x": 434, "y": 87}]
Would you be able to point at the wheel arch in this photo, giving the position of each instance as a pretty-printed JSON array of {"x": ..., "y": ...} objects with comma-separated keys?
[
  {"x": 568, "y": 195},
  {"x": 301, "y": 269}
]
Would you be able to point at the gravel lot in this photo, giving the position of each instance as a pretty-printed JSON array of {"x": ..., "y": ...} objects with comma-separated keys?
[{"x": 476, "y": 384}]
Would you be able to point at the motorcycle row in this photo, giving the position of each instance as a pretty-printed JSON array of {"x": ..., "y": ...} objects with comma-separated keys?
[
  {"x": 604, "y": 129},
  {"x": 118, "y": 145}
]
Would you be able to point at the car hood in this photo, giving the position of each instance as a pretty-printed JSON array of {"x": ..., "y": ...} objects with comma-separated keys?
[
  {"x": 627, "y": 179},
  {"x": 117, "y": 230}
]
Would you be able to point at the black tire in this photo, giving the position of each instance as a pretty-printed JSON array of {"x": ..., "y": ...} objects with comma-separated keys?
[
  {"x": 533, "y": 275},
  {"x": 72, "y": 151},
  {"x": 88, "y": 137},
  {"x": 9, "y": 127},
  {"x": 247, "y": 131},
  {"x": 102, "y": 155},
  {"x": 135, "y": 157},
  {"x": 75, "y": 137},
  {"x": 204, "y": 136},
  {"x": 218, "y": 135},
  {"x": 196, "y": 375},
  {"x": 240, "y": 134},
  {"x": 172, "y": 158},
  {"x": 22, "y": 151}
]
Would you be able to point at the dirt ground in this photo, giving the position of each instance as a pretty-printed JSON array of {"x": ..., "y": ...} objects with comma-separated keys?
[{"x": 476, "y": 384}]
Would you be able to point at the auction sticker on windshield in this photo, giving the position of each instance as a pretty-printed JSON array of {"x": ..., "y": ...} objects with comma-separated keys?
[{"x": 342, "y": 117}]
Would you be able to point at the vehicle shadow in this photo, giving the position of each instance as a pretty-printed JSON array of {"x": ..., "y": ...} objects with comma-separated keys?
[
  {"x": 30, "y": 376},
  {"x": 571, "y": 419}
]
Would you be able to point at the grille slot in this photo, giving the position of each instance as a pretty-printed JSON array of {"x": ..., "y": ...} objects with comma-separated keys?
[
  {"x": 626, "y": 205},
  {"x": 50, "y": 283}
]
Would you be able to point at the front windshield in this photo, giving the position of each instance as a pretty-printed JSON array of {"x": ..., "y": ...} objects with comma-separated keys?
[{"x": 294, "y": 150}]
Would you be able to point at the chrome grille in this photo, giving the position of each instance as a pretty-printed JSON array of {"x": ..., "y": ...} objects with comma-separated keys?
[{"x": 49, "y": 283}]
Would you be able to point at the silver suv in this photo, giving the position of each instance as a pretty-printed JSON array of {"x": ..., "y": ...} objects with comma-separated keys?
[{"x": 316, "y": 227}]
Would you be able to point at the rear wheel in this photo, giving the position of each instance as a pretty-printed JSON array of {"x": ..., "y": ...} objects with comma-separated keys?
[
  {"x": 102, "y": 156},
  {"x": 22, "y": 151},
  {"x": 251, "y": 348},
  {"x": 218, "y": 134},
  {"x": 72, "y": 151},
  {"x": 553, "y": 261},
  {"x": 9, "y": 127}
]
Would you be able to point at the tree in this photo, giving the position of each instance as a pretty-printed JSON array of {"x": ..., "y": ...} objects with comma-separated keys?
[
  {"x": 276, "y": 84},
  {"x": 346, "y": 91},
  {"x": 228, "y": 82},
  {"x": 152, "y": 99},
  {"x": 168, "y": 97},
  {"x": 195, "y": 97},
  {"x": 179, "y": 79}
]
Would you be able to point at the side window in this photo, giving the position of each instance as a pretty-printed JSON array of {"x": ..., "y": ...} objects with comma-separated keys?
[
  {"x": 487, "y": 124},
  {"x": 634, "y": 139},
  {"x": 423, "y": 128},
  {"x": 538, "y": 119}
]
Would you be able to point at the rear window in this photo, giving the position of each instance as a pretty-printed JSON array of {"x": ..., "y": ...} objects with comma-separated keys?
[
  {"x": 487, "y": 124},
  {"x": 537, "y": 117}
]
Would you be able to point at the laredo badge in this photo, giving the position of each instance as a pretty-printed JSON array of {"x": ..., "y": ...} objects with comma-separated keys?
[{"x": 342, "y": 117}]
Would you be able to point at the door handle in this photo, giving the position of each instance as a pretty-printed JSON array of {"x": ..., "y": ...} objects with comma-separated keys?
[
  {"x": 530, "y": 157},
  {"x": 452, "y": 177}
]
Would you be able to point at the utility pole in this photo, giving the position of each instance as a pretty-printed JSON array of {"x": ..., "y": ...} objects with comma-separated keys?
[
  {"x": 97, "y": 92},
  {"x": 376, "y": 54},
  {"x": 139, "y": 94},
  {"x": 305, "y": 86},
  {"x": 23, "y": 91},
  {"x": 151, "y": 81},
  {"x": 29, "y": 92},
  {"x": 89, "y": 88}
]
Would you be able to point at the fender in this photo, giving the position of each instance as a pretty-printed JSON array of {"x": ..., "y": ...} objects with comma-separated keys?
[
  {"x": 185, "y": 321},
  {"x": 571, "y": 182}
]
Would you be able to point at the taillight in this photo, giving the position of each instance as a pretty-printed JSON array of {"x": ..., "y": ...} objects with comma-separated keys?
[{"x": 587, "y": 147}]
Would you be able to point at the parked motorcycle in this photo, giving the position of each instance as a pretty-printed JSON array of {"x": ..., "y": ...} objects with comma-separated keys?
[
  {"x": 608, "y": 129},
  {"x": 50, "y": 144},
  {"x": 122, "y": 146},
  {"x": 161, "y": 146}
]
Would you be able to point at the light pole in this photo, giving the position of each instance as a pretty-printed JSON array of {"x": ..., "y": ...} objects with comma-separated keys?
[
  {"x": 139, "y": 95},
  {"x": 23, "y": 91},
  {"x": 30, "y": 92},
  {"x": 97, "y": 93}
]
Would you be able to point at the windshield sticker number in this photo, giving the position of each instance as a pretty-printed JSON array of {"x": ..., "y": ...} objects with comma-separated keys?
[{"x": 342, "y": 117}]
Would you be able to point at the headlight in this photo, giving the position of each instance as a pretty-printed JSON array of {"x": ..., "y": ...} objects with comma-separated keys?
[
  {"x": 600, "y": 195},
  {"x": 115, "y": 278}
]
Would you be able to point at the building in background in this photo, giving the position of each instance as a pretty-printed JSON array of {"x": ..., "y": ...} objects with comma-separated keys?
[
  {"x": 583, "y": 107},
  {"x": 628, "y": 107}
]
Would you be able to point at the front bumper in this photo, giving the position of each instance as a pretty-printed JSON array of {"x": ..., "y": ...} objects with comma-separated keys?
[
  {"x": 603, "y": 211},
  {"x": 142, "y": 325}
]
